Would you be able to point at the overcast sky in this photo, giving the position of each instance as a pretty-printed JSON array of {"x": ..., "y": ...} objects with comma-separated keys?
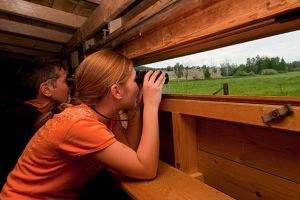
[{"x": 285, "y": 45}]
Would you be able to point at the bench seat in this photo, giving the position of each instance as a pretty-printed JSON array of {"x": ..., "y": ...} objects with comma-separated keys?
[{"x": 170, "y": 183}]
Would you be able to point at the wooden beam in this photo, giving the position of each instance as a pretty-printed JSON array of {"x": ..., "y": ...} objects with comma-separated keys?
[
  {"x": 94, "y": 1},
  {"x": 170, "y": 184},
  {"x": 268, "y": 100},
  {"x": 24, "y": 51},
  {"x": 29, "y": 43},
  {"x": 128, "y": 23},
  {"x": 74, "y": 59},
  {"x": 41, "y": 13},
  {"x": 137, "y": 10},
  {"x": 105, "y": 12},
  {"x": 242, "y": 113},
  {"x": 260, "y": 30},
  {"x": 194, "y": 20},
  {"x": 15, "y": 56},
  {"x": 185, "y": 142},
  {"x": 33, "y": 31}
]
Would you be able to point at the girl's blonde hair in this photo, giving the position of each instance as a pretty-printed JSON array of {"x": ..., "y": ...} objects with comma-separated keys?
[{"x": 98, "y": 72}]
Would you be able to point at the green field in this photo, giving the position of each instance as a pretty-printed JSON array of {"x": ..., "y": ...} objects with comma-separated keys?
[{"x": 286, "y": 84}]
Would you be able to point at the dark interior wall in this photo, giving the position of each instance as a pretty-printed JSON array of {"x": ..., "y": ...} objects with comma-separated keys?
[{"x": 9, "y": 83}]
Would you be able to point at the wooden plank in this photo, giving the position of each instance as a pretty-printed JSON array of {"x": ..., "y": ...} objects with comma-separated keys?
[
  {"x": 243, "y": 182},
  {"x": 105, "y": 12},
  {"x": 274, "y": 152},
  {"x": 41, "y": 13},
  {"x": 16, "y": 56},
  {"x": 137, "y": 10},
  {"x": 170, "y": 183},
  {"x": 242, "y": 113},
  {"x": 84, "y": 8},
  {"x": 33, "y": 31},
  {"x": 186, "y": 23},
  {"x": 272, "y": 100},
  {"x": 94, "y": 1},
  {"x": 24, "y": 51},
  {"x": 166, "y": 144},
  {"x": 113, "y": 39},
  {"x": 260, "y": 30},
  {"x": 74, "y": 59},
  {"x": 67, "y": 6},
  {"x": 29, "y": 43},
  {"x": 185, "y": 142}
]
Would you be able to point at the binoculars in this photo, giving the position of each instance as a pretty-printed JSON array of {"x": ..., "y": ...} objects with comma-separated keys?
[{"x": 139, "y": 79}]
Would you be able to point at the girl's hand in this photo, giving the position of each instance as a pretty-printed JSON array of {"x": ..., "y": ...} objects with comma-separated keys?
[{"x": 152, "y": 88}]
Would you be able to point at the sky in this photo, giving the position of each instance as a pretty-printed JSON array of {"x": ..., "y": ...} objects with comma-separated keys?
[{"x": 285, "y": 45}]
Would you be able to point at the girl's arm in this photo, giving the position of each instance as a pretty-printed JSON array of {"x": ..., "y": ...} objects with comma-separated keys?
[{"x": 142, "y": 163}]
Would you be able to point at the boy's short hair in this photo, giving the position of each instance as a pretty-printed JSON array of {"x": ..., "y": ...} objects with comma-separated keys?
[{"x": 36, "y": 72}]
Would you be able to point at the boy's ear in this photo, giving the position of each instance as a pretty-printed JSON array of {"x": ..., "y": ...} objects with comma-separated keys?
[
  {"x": 45, "y": 89},
  {"x": 116, "y": 91}
]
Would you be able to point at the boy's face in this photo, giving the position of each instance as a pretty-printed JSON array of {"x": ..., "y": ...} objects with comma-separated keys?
[{"x": 60, "y": 89}]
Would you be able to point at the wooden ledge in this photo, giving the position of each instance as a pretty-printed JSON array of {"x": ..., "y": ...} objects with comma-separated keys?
[{"x": 170, "y": 183}]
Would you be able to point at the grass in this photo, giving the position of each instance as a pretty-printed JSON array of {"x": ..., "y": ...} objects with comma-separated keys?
[{"x": 286, "y": 84}]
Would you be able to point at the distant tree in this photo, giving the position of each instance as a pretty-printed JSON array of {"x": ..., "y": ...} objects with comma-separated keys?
[
  {"x": 294, "y": 66},
  {"x": 169, "y": 68},
  {"x": 178, "y": 68},
  {"x": 227, "y": 69},
  {"x": 258, "y": 64},
  {"x": 283, "y": 65},
  {"x": 186, "y": 72},
  {"x": 251, "y": 65},
  {"x": 207, "y": 73},
  {"x": 214, "y": 70}
]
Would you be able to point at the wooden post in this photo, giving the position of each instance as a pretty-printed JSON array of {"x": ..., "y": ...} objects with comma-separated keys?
[
  {"x": 225, "y": 88},
  {"x": 185, "y": 142}
]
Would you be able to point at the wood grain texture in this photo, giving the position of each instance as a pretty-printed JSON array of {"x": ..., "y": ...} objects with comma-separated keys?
[
  {"x": 170, "y": 184},
  {"x": 105, "y": 12},
  {"x": 274, "y": 152},
  {"x": 30, "y": 43},
  {"x": 24, "y": 51},
  {"x": 185, "y": 142},
  {"x": 129, "y": 21},
  {"x": 241, "y": 113},
  {"x": 195, "y": 20},
  {"x": 41, "y": 13},
  {"x": 34, "y": 31},
  {"x": 243, "y": 182}
]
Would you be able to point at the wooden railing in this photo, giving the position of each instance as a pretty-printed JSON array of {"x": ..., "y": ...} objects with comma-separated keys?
[{"x": 225, "y": 139}]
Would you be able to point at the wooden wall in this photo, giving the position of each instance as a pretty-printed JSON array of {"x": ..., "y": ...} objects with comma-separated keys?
[{"x": 244, "y": 160}]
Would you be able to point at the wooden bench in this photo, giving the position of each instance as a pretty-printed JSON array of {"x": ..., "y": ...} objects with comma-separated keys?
[{"x": 170, "y": 183}]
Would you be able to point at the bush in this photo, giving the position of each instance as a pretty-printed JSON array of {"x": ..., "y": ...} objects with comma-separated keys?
[
  {"x": 295, "y": 69},
  {"x": 268, "y": 72},
  {"x": 243, "y": 73}
]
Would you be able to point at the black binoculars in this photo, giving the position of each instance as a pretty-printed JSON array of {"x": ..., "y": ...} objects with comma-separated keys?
[{"x": 139, "y": 79}]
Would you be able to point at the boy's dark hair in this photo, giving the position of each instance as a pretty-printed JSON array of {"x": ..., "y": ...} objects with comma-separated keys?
[{"x": 34, "y": 73}]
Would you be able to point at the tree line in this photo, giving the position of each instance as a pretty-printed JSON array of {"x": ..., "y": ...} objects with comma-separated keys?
[
  {"x": 259, "y": 65},
  {"x": 256, "y": 65}
]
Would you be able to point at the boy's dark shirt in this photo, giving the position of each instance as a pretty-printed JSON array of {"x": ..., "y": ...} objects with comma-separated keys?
[{"x": 16, "y": 124}]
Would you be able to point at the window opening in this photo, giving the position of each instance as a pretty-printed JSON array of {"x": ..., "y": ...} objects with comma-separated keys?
[{"x": 264, "y": 67}]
